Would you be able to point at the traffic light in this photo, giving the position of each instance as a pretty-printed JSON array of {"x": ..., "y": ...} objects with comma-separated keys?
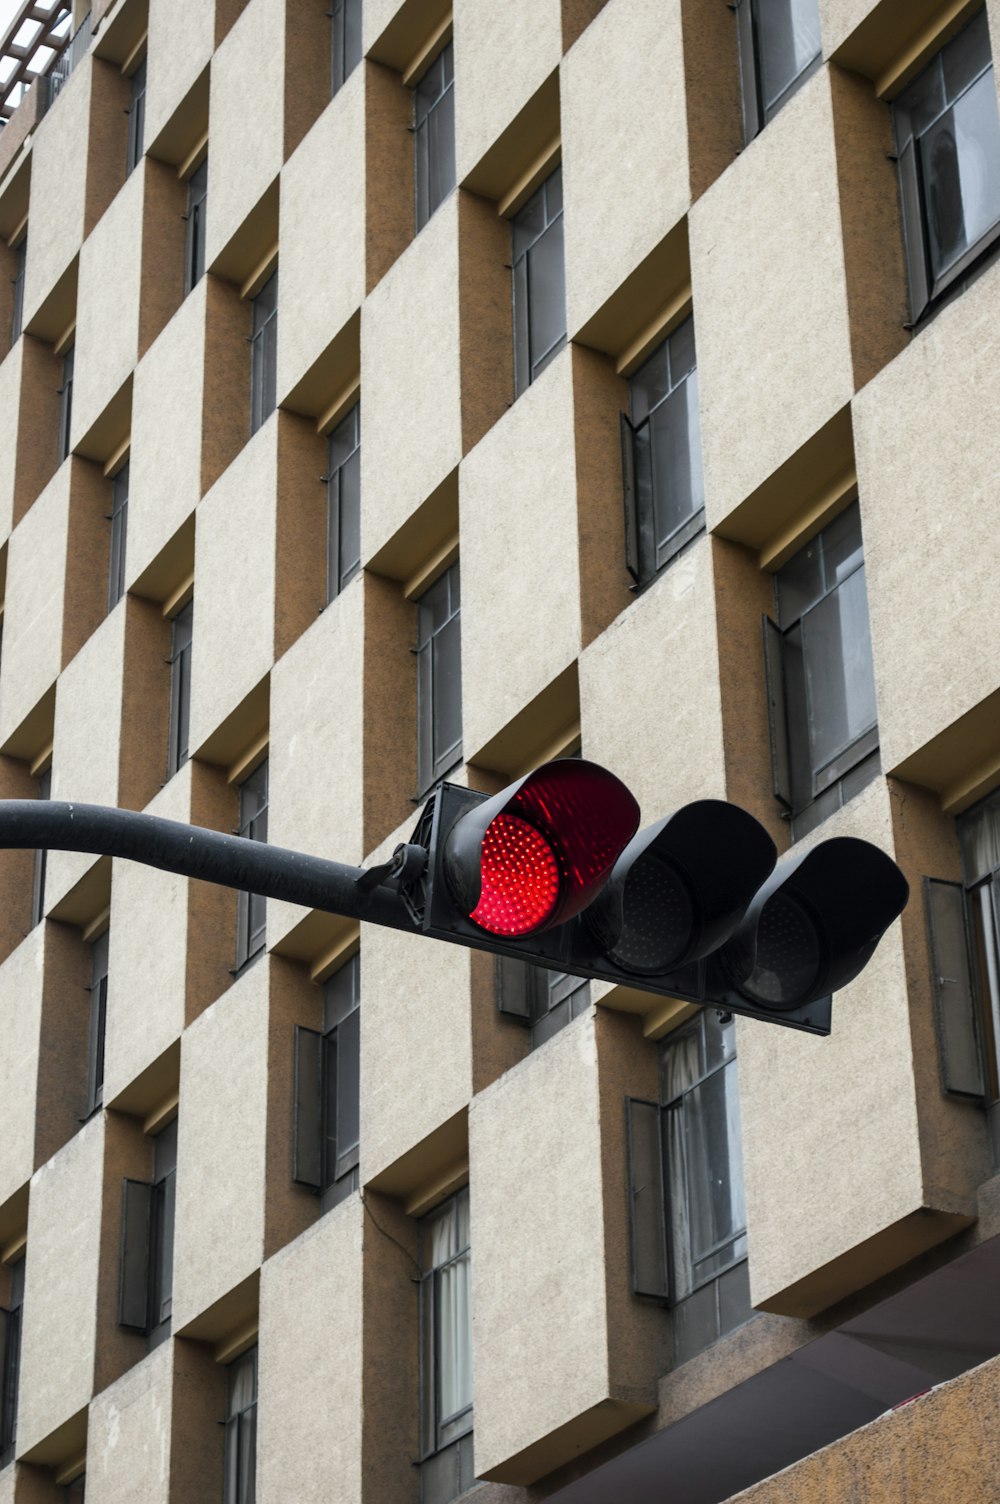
[{"x": 697, "y": 907}]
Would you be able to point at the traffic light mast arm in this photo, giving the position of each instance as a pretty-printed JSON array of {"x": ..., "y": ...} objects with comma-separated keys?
[{"x": 193, "y": 851}]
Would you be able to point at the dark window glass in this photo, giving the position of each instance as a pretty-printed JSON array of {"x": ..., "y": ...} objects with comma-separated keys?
[
  {"x": 240, "y": 1485},
  {"x": 341, "y": 1074},
  {"x": 780, "y": 47},
  {"x": 828, "y": 681},
  {"x": 162, "y": 1250},
  {"x": 543, "y": 1000},
  {"x": 445, "y": 1351},
  {"x": 251, "y": 909},
  {"x": 539, "y": 282},
  {"x": 20, "y": 258},
  {"x": 98, "y": 1021},
  {"x": 194, "y": 240},
  {"x": 38, "y": 884},
  {"x": 345, "y": 37},
  {"x": 66, "y": 403},
  {"x": 75, "y": 1492},
  {"x": 264, "y": 354},
  {"x": 434, "y": 135},
  {"x": 11, "y": 1362},
  {"x": 136, "y": 118},
  {"x": 948, "y": 148},
  {"x": 439, "y": 679},
  {"x": 343, "y": 496},
  {"x": 979, "y": 830},
  {"x": 119, "y": 532},
  {"x": 667, "y": 490},
  {"x": 180, "y": 688}
]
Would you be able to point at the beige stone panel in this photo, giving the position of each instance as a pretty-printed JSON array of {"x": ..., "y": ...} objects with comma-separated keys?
[
  {"x": 625, "y": 184},
  {"x": 10, "y": 392},
  {"x": 58, "y": 188},
  {"x": 247, "y": 123},
  {"x": 539, "y": 1312},
  {"x": 219, "y": 1239},
  {"x": 503, "y": 53},
  {"x": 107, "y": 306},
  {"x": 770, "y": 300},
  {"x": 165, "y": 468},
  {"x": 181, "y": 38},
  {"x": 20, "y": 1022},
  {"x": 411, "y": 414},
  {"x": 87, "y": 743},
  {"x": 839, "y": 18},
  {"x": 846, "y": 1102},
  {"x": 520, "y": 554},
  {"x": 650, "y": 706},
  {"x": 322, "y": 236},
  {"x": 60, "y": 1306},
  {"x": 33, "y": 603},
  {"x": 128, "y": 1438},
  {"x": 147, "y": 976},
  {"x": 928, "y": 456},
  {"x": 233, "y": 644},
  {"x": 309, "y": 1383},
  {"x": 315, "y": 767},
  {"x": 416, "y": 1042}
]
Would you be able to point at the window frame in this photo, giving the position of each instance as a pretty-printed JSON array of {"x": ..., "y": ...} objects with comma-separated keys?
[
  {"x": 10, "y": 1358},
  {"x": 432, "y": 764},
  {"x": 194, "y": 228},
  {"x": 445, "y": 1440},
  {"x": 66, "y": 402},
  {"x": 318, "y": 1077},
  {"x": 345, "y": 29},
  {"x": 646, "y": 556},
  {"x": 264, "y": 353},
  {"x": 98, "y": 990},
  {"x": 41, "y": 856},
  {"x": 526, "y": 369},
  {"x": 251, "y": 937},
  {"x": 17, "y": 308},
  {"x": 343, "y": 496},
  {"x": 135, "y": 145},
  {"x": 927, "y": 292},
  {"x": 756, "y": 113},
  {"x": 118, "y": 518},
  {"x": 239, "y": 1421},
  {"x": 428, "y": 116},
  {"x": 179, "y": 718}
]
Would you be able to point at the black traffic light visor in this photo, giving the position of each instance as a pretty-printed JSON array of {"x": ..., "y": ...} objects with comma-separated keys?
[
  {"x": 537, "y": 853},
  {"x": 681, "y": 886},
  {"x": 815, "y": 925}
]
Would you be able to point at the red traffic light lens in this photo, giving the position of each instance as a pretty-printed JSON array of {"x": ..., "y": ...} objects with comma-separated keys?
[{"x": 520, "y": 878}]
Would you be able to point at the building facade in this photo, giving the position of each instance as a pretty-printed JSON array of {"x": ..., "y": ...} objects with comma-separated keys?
[{"x": 401, "y": 390}]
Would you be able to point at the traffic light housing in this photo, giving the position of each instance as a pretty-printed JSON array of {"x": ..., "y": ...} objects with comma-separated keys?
[{"x": 696, "y": 907}]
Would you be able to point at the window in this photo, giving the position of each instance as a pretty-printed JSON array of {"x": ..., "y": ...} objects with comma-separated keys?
[
  {"x": 65, "y": 403},
  {"x": 964, "y": 930},
  {"x": 136, "y": 118},
  {"x": 182, "y": 630},
  {"x": 820, "y": 678},
  {"x": 251, "y": 909},
  {"x": 780, "y": 47},
  {"x": 75, "y": 1492},
  {"x": 434, "y": 135},
  {"x": 194, "y": 238},
  {"x": 661, "y": 457},
  {"x": 343, "y": 503},
  {"x": 439, "y": 679},
  {"x": 38, "y": 883},
  {"x": 544, "y": 1000},
  {"x": 241, "y": 1430},
  {"x": 327, "y": 1090},
  {"x": 10, "y": 1359},
  {"x": 345, "y": 41},
  {"x": 445, "y": 1352},
  {"x": 20, "y": 259},
  {"x": 948, "y": 149},
  {"x": 539, "y": 282},
  {"x": 689, "y": 1242},
  {"x": 98, "y": 1021},
  {"x": 119, "y": 530},
  {"x": 146, "y": 1275},
  {"x": 264, "y": 354}
]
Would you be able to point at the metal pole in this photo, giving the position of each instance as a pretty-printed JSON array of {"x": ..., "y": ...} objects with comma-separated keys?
[{"x": 193, "y": 851}]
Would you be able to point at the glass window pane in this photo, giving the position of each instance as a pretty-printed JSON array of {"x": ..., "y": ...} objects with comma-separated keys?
[
  {"x": 788, "y": 38},
  {"x": 350, "y": 518},
  {"x": 553, "y": 195},
  {"x": 841, "y": 546},
  {"x": 447, "y": 689},
  {"x": 682, "y": 353},
  {"x": 546, "y": 294},
  {"x": 348, "y": 1090},
  {"x": 454, "y": 1339},
  {"x": 705, "y": 1178},
  {"x": 799, "y": 583},
  {"x": 980, "y": 833},
  {"x": 961, "y": 160},
  {"x": 433, "y": 609},
  {"x": 676, "y": 456},
  {"x": 441, "y": 151},
  {"x": 529, "y": 222},
  {"x": 840, "y": 680},
  {"x": 649, "y": 384},
  {"x": 920, "y": 104},
  {"x": 966, "y": 56}
]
